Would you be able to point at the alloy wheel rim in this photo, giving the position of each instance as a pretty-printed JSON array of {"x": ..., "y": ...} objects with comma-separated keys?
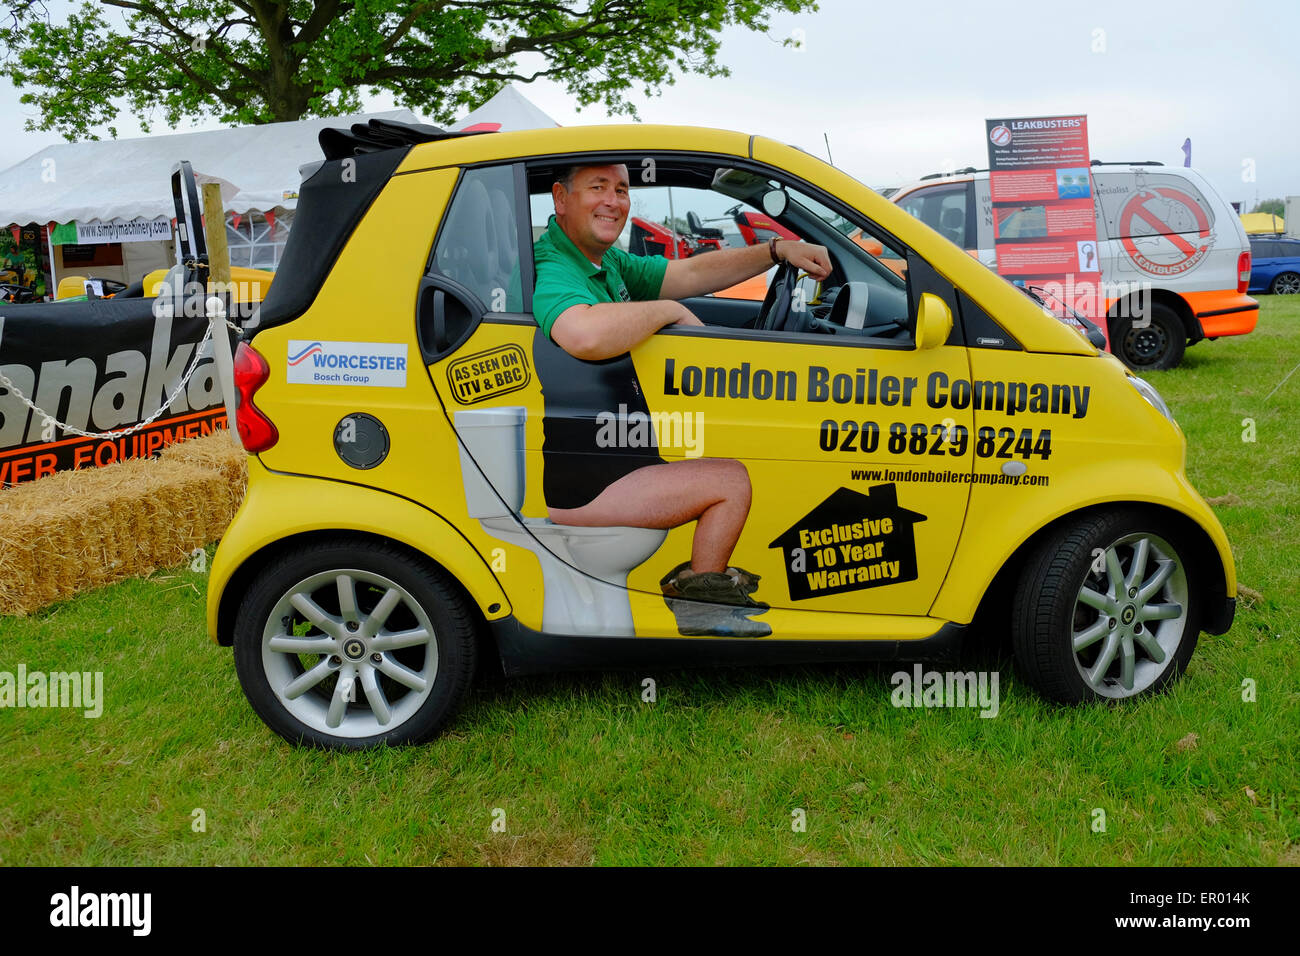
[
  {"x": 1289, "y": 285},
  {"x": 349, "y": 653},
  {"x": 1130, "y": 616}
]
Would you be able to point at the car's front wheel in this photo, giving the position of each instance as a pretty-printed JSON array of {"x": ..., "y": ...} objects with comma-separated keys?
[
  {"x": 1152, "y": 345},
  {"x": 350, "y": 644},
  {"x": 1108, "y": 607},
  {"x": 1288, "y": 283}
]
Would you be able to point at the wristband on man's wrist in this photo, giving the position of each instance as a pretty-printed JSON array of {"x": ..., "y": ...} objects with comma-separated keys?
[{"x": 771, "y": 249}]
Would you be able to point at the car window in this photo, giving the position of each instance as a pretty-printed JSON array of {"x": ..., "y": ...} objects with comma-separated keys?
[
  {"x": 942, "y": 208},
  {"x": 694, "y": 209},
  {"x": 673, "y": 222},
  {"x": 478, "y": 244}
]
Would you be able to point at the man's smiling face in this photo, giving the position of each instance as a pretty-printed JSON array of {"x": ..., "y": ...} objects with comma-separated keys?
[{"x": 593, "y": 210}]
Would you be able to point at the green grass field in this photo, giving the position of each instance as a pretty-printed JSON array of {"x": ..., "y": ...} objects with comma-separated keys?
[{"x": 580, "y": 770}]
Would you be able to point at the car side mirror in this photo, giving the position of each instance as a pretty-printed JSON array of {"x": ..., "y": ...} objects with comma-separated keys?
[
  {"x": 774, "y": 202},
  {"x": 933, "y": 321}
]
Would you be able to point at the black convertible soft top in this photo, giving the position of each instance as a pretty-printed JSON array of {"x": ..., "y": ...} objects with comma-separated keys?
[
  {"x": 378, "y": 135},
  {"x": 330, "y": 204}
]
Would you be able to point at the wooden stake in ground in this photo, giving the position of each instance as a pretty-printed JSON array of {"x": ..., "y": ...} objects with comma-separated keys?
[{"x": 214, "y": 228}]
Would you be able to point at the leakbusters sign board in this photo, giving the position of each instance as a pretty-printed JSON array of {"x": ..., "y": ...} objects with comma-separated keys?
[
  {"x": 1045, "y": 228},
  {"x": 99, "y": 366}
]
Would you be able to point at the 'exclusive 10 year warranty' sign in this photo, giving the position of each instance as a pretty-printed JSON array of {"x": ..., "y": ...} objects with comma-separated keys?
[{"x": 849, "y": 542}]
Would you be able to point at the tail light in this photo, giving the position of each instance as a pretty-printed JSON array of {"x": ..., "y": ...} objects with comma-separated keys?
[
  {"x": 256, "y": 432},
  {"x": 1243, "y": 271}
]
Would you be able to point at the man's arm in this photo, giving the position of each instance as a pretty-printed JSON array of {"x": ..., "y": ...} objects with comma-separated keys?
[
  {"x": 702, "y": 274},
  {"x": 594, "y": 332}
]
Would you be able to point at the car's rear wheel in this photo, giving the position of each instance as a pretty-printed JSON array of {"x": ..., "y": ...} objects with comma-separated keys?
[
  {"x": 349, "y": 644},
  {"x": 1107, "y": 608},
  {"x": 1288, "y": 283},
  {"x": 1149, "y": 346}
]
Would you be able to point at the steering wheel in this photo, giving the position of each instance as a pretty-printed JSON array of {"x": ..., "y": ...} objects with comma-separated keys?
[{"x": 774, "y": 314}]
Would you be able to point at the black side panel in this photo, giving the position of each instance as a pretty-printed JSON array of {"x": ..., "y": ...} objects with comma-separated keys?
[
  {"x": 982, "y": 330},
  {"x": 525, "y": 651},
  {"x": 330, "y": 204},
  {"x": 923, "y": 277}
]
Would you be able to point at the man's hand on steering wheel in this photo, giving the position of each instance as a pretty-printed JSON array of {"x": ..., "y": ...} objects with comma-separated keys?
[
  {"x": 775, "y": 310},
  {"x": 805, "y": 256},
  {"x": 775, "y": 313}
]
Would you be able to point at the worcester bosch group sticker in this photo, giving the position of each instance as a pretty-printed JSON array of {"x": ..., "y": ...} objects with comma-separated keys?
[{"x": 377, "y": 364}]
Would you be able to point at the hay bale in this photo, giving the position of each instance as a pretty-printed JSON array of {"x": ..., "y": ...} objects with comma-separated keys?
[
  {"x": 219, "y": 451},
  {"x": 77, "y": 530}
]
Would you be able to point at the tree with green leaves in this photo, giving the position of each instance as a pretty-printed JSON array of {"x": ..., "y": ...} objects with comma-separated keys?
[
  {"x": 263, "y": 61},
  {"x": 1276, "y": 206}
]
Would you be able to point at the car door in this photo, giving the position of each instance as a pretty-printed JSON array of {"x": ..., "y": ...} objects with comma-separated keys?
[
  {"x": 856, "y": 452},
  {"x": 856, "y": 445}
]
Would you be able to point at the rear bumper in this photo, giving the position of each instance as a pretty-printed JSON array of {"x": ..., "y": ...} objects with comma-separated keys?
[{"x": 1223, "y": 313}]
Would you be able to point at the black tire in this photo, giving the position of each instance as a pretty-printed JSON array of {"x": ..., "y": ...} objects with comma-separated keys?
[
  {"x": 1285, "y": 283},
  {"x": 1149, "y": 346},
  {"x": 424, "y": 615},
  {"x": 1049, "y": 611}
]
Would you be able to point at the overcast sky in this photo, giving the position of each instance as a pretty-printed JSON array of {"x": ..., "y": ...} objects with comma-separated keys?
[{"x": 903, "y": 89}]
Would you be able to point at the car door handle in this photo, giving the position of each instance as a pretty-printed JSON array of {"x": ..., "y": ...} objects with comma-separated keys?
[
  {"x": 439, "y": 320},
  {"x": 446, "y": 314}
]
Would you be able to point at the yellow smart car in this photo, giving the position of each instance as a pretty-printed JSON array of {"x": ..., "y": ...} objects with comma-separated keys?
[{"x": 911, "y": 450}]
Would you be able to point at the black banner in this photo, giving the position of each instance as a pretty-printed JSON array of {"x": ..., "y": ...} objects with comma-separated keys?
[{"x": 99, "y": 365}]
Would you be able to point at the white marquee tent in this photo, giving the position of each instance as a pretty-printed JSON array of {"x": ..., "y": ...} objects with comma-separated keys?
[
  {"x": 506, "y": 112},
  {"x": 131, "y": 178},
  {"x": 118, "y": 191}
]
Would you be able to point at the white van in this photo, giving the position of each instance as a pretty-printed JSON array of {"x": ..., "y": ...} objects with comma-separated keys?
[{"x": 1175, "y": 261}]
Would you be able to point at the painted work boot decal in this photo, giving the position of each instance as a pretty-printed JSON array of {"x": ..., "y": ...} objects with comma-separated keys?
[{"x": 714, "y": 603}]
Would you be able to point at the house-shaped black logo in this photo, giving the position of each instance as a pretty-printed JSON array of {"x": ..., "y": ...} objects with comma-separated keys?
[{"x": 849, "y": 542}]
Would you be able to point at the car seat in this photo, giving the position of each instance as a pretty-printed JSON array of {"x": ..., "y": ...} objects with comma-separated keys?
[{"x": 953, "y": 225}]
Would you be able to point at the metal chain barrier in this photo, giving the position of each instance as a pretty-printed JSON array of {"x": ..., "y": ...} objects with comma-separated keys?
[{"x": 47, "y": 419}]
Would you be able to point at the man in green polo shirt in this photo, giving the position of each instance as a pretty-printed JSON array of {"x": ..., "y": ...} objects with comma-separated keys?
[{"x": 596, "y": 302}]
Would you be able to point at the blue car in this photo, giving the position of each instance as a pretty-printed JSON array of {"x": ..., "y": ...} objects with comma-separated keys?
[{"x": 1275, "y": 265}]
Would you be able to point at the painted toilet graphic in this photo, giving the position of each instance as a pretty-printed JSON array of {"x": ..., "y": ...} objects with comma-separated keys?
[{"x": 584, "y": 570}]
